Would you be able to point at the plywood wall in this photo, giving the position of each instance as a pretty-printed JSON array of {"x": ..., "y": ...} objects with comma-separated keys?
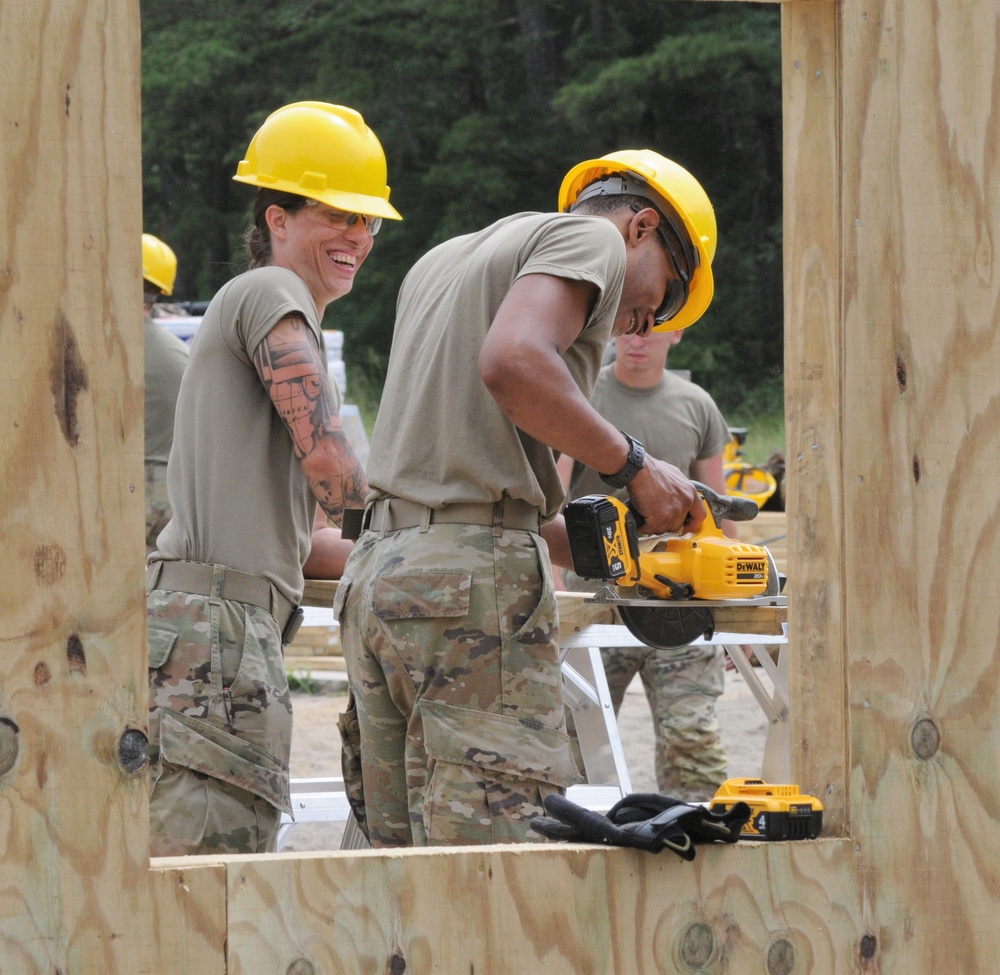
[
  {"x": 920, "y": 224},
  {"x": 891, "y": 289},
  {"x": 73, "y": 860}
]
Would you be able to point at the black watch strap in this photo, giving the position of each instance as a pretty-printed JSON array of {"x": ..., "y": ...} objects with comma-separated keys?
[{"x": 636, "y": 458}]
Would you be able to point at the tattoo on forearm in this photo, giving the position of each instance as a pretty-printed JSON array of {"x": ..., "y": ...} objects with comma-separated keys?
[
  {"x": 289, "y": 365},
  {"x": 349, "y": 490}
]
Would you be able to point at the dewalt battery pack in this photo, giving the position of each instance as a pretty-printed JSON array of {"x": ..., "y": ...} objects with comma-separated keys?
[
  {"x": 603, "y": 539},
  {"x": 779, "y": 812}
]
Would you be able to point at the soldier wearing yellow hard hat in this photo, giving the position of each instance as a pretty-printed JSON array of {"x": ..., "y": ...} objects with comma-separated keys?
[
  {"x": 259, "y": 464},
  {"x": 687, "y": 221},
  {"x": 165, "y": 359},
  {"x": 498, "y": 340}
]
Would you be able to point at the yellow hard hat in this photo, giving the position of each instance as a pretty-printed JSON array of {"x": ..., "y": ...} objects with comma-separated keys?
[
  {"x": 678, "y": 195},
  {"x": 323, "y": 152},
  {"x": 159, "y": 263}
]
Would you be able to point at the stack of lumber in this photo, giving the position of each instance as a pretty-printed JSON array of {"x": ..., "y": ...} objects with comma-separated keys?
[{"x": 770, "y": 529}]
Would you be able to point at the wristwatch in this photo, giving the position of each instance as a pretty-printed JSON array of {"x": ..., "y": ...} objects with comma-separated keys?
[{"x": 633, "y": 464}]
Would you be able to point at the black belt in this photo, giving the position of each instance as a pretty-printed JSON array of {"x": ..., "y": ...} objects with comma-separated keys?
[
  {"x": 395, "y": 514},
  {"x": 196, "y": 577}
]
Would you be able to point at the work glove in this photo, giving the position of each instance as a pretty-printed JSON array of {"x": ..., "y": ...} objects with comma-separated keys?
[{"x": 644, "y": 821}]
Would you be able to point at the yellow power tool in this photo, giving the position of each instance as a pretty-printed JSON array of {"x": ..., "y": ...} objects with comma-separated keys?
[{"x": 700, "y": 566}]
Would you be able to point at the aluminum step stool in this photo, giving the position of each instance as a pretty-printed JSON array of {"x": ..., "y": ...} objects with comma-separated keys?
[{"x": 585, "y": 690}]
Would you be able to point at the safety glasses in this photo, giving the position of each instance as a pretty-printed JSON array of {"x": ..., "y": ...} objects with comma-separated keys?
[
  {"x": 341, "y": 219},
  {"x": 684, "y": 259}
]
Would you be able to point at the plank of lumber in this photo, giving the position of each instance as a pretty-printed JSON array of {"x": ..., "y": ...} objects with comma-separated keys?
[
  {"x": 319, "y": 592},
  {"x": 575, "y": 612},
  {"x": 306, "y": 662}
]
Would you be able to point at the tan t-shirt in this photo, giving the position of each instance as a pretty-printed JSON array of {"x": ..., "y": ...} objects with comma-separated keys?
[
  {"x": 238, "y": 493},
  {"x": 165, "y": 358},
  {"x": 440, "y": 437},
  {"x": 676, "y": 420}
]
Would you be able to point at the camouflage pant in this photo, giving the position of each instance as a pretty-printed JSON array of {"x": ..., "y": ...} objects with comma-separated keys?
[
  {"x": 682, "y": 687},
  {"x": 158, "y": 511},
  {"x": 449, "y": 637},
  {"x": 220, "y": 724}
]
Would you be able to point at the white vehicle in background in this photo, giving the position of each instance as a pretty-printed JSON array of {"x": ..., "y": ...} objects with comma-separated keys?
[
  {"x": 183, "y": 327},
  {"x": 186, "y": 326}
]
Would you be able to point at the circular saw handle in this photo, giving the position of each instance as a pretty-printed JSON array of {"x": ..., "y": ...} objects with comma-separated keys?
[{"x": 727, "y": 506}]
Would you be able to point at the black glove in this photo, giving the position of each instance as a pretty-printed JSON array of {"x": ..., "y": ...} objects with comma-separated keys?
[
  {"x": 703, "y": 825},
  {"x": 643, "y": 821}
]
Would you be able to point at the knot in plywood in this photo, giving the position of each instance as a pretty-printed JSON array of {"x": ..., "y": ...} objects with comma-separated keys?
[
  {"x": 925, "y": 739},
  {"x": 132, "y": 751},
  {"x": 780, "y": 957},
  {"x": 697, "y": 946}
]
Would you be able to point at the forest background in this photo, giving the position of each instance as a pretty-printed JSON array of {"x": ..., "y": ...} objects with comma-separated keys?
[{"x": 482, "y": 106}]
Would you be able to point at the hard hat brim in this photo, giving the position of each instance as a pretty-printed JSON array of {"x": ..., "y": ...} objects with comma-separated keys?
[
  {"x": 699, "y": 298},
  {"x": 351, "y": 202}
]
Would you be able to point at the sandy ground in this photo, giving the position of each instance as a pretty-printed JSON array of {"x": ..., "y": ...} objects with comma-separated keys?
[{"x": 316, "y": 745}]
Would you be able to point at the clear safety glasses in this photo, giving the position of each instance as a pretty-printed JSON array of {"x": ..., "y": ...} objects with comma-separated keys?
[{"x": 341, "y": 219}]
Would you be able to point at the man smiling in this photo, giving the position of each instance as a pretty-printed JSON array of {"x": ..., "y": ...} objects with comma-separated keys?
[{"x": 447, "y": 608}]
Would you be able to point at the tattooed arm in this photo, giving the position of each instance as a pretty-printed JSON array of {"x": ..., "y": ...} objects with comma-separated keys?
[{"x": 290, "y": 366}]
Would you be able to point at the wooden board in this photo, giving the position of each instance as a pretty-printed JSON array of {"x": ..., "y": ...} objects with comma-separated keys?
[
  {"x": 576, "y": 612},
  {"x": 919, "y": 163},
  {"x": 74, "y": 892},
  {"x": 770, "y": 529},
  {"x": 815, "y": 452},
  {"x": 778, "y": 908}
]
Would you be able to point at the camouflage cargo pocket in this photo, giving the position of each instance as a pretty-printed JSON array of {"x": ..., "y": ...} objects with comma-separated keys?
[
  {"x": 488, "y": 791},
  {"x": 160, "y": 642},
  {"x": 350, "y": 762},
  {"x": 497, "y": 743},
  {"x": 419, "y": 594},
  {"x": 202, "y": 747},
  {"x": 340, "y": 598}
]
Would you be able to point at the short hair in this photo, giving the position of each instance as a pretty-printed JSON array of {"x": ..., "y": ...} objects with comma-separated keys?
[{"x": 601, "y": 205}]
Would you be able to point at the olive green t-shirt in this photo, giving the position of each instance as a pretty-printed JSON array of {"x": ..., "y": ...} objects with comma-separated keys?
[
  {"x": 676, "y": 420},
  {"x": 440, "y": 437},
  {"x": 165, "y": 358},
  {"x": 237, "y": 490}
]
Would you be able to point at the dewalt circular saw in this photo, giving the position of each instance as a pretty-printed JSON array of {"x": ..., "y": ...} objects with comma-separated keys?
[{"x": 664, "y": 595}]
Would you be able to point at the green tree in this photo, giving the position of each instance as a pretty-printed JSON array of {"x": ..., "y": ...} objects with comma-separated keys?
[
  {"x": 708, "y": 94},
  {"x": 482, "y": 108}
]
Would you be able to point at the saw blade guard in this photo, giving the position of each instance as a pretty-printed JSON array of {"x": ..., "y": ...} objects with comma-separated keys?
[{"x": 666, "y": 627}]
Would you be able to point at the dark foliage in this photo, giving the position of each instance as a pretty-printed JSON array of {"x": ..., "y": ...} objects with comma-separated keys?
[{"x": 481, "y": 107}]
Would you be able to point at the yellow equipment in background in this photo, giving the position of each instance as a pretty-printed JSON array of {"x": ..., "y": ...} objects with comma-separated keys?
[{"x": 745, "y": 480}]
